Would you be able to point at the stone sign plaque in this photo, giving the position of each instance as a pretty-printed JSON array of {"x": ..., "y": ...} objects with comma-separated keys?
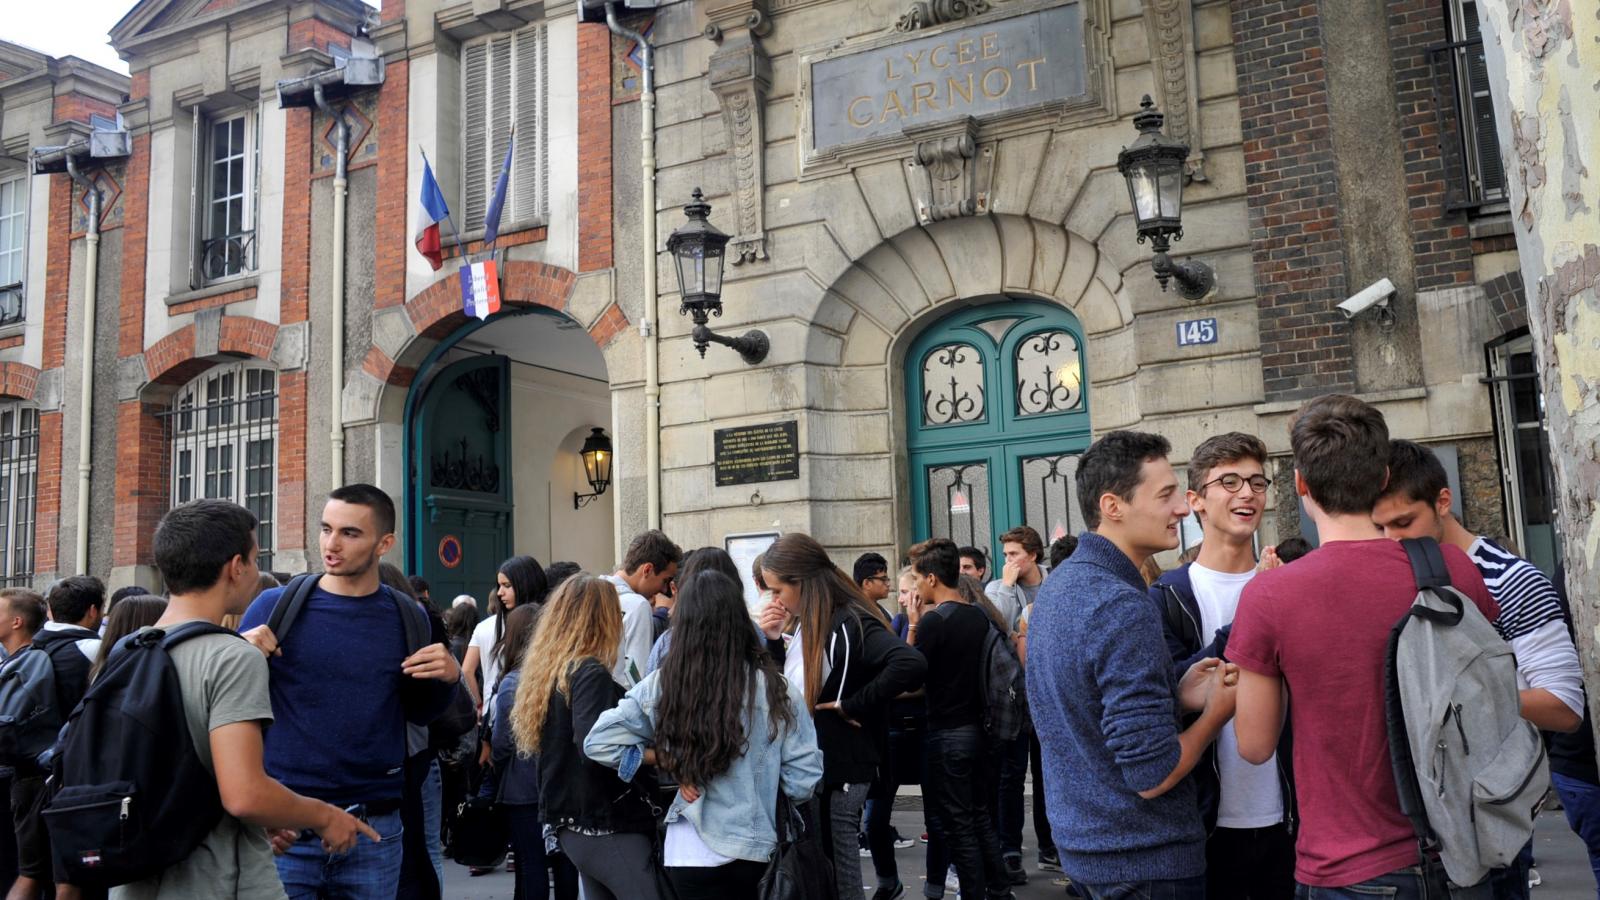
[
  {"x": 756, "y": 453},
  {"x": 979, "y": 70}
]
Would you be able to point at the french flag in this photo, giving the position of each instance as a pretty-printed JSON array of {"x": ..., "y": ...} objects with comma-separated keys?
[{"x": 433, "y": 211}]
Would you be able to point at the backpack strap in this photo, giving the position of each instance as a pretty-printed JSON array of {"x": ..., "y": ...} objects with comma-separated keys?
[
  {"x": 1432, "y": 575},
  {"x": 412, "y": 618},
  {"x": 293, "y": 598},
  {"x": 187, "y": 630}
]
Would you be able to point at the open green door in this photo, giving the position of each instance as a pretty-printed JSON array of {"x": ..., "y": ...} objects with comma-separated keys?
[{"x": 461, "y": 478}]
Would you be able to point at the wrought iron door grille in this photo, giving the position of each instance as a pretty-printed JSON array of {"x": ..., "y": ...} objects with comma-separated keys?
[{"x": 222, "y": 438}]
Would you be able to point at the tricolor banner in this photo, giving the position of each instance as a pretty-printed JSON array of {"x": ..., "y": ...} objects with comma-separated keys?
[{"x": 480, "y": 289}]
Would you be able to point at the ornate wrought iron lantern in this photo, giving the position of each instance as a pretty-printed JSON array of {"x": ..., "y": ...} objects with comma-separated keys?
[
  {"x": 697, "y": 249},
  {"x": 1153, "y": 168},
  {"x": 596, "y": 455}
]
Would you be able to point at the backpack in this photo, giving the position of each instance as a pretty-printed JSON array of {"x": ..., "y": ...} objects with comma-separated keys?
[
  {"x": 71, "y": 666},
  {"x": 1005, "y": 690},
  {"x": 29, "y": 714},
  {"x": 1450, "y": 691},
  {"x": 134, "y": 796}
]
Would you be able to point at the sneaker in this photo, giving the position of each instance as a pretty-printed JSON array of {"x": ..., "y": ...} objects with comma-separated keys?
[
  {"x": 951, "y": 882},
  {"x": 511, "y": 862},
  {"x": 901, "y": 843},
  {"x": 889, "y": 893},
  {"x": 1014, "y": 871},
  {"x": 1533, "y": 878},
  {"x": 866, "y": 853},
  {"x": 924, "y": 837},
  {"x": 475, "y": 871},
  {"x": 1049, "y": 860}
]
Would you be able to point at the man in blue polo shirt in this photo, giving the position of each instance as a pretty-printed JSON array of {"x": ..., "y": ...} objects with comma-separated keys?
[{"x": 343, "y": 689}]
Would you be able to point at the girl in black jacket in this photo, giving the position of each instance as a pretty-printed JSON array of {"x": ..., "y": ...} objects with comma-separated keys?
[
  {"x": 850, "y": 665},
  {"x": 605, "y": 826}
]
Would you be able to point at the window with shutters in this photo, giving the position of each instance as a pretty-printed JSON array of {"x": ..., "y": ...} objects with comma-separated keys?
[
  {"x": 504, "y": 84},
  {"x": 1466, "y": 113},
  {"x": 13, "y": 244}
]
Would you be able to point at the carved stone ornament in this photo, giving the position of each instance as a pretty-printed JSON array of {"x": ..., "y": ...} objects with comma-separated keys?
[
  {"x": 928, "y": 13},
  {"x": 1170, "y": 26},
  {"x": 740, "y": 75},
  {"x": 949, "y": 172}
]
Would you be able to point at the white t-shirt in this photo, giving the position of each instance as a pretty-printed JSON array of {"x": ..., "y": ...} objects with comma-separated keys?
[
  {"x": 684, "y": 848},
  {"x": 1251, "y": 796},
  {"x": 483, "y": 639},
  {"x": 638, "y": 634}
]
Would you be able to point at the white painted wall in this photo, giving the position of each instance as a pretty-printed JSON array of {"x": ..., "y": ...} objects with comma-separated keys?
[
  {"x": 162, "y": 231},
  {"x": 269, "y": 210},
  {"x": 561, "y": 243},
  {"x": 37, "y": 259},
  {"x": 422, "y": 134},
  {"x": 551, "y": 414}
]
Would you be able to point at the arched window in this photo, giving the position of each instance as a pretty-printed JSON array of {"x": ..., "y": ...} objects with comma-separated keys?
[
  {"x": 222, "y": 442},
  {"x": 19, "y": 481}
]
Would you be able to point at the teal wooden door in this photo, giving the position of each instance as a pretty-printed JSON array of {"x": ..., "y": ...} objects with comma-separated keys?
[
  {"x": 461, "y": 484},
  {"x": 998, "y": 410}
]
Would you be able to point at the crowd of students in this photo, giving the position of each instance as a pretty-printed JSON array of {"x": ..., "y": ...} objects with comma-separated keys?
[{"x": 644, "y": 736}]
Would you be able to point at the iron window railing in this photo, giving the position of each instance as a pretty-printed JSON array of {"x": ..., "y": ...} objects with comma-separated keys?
[
  {"x": 227, "y": 256},
  {"x": 1464, "y": 113},
  {"x": 13, "y": 307}
]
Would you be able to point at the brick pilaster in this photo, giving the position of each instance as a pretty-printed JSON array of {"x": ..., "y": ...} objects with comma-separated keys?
[
  {"x": 291, "y": 498},
  {"x": 136, "y": 214},
  {"x": 47, "y": 510},
  {"x": 57, "y": 272},
  {"x": 295, "y": 299},
  {"x": 594, "y": 141},
  {"x": 141, "y": 482},
  {"x": 393, "y": 109}
]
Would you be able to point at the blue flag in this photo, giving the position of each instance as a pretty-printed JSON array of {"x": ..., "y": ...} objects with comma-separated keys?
[{"x": 491, "y": 217}]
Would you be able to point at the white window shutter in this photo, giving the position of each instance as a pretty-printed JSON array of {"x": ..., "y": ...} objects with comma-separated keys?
[
  {"x": 529, "y": 171},
  {"x": 475, "y": 148}
]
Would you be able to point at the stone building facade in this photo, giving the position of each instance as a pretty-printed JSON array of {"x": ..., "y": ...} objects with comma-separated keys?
[{"x": 927, "y": 221}]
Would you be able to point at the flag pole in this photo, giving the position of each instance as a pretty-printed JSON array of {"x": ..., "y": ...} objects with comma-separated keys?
[{"x": 460, "y": 250}]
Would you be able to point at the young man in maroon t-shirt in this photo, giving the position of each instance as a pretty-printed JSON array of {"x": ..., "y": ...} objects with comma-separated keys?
[{"x": 1320, "y": 627}]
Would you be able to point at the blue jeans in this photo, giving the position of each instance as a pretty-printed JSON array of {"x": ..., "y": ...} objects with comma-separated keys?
[
  {"x": 1581, "y": 800},
  {"x": 368, "y": 872},
  {"x": 433, "y": 818},
  {"x": 1012, "y": 764},
  {"x": 1402, "y": 884},
  {"x": 1169, "y": 889}
]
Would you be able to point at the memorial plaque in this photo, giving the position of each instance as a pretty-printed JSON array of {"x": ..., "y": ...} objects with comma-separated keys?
[
  {"x": 980, "y": 70},
  {"x": 756, "y": 453}
]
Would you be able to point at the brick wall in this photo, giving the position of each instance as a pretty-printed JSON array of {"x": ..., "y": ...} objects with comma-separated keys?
[
  {"x": 1443, "y": 246},
  {"x": 57, "y": 272},
  {"x": 141, "y": 482},
  {"x": 594, "y": 139},
  {"x": 47, "y": 511},
  {"x": 294, "y": 307},
  {"x": 1296, "y": 242},
  {"x": 393, "y": 192},
  {"x": 130, "y": 329},
  {"x": 75, "y": 107}
]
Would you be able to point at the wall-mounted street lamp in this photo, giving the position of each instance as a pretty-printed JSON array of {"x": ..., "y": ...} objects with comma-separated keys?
[
  {"x": 1153, "y": 166},
  {"x": 697, "y": 248},
  {"x": 596, "y": 455}
]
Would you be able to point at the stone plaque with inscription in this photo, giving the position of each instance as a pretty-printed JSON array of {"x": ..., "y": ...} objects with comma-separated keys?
[
  {"x": 755, "y": 453},
  {"x": 979, "y": 70}
]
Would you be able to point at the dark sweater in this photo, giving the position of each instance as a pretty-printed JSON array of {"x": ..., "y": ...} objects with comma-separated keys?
[
  {"x": 573, "y": 789},
  {"x": 1103, "y": 698},
  {"x": 951, "y": 637}
]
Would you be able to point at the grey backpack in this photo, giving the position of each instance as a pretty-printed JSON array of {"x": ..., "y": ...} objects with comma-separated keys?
[{"x": 1469, "y": 769}]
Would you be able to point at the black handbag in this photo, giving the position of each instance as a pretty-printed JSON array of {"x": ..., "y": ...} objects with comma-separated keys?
[
  {"x": 481, "y": 833},
  {"x": 799, "y": 869}
]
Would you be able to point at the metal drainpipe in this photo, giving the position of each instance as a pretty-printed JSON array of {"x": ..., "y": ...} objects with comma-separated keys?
[
  {"x": 86, "y": 392},
  {"x": 336, "y": 372},
  {"x": 652, "y": 349}
]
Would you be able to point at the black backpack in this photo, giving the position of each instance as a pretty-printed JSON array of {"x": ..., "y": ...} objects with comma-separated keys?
[
  {"x": 133, "y": 797},
  {"x": 299, "y": 588},
  {"x": 29, "y": 716}
]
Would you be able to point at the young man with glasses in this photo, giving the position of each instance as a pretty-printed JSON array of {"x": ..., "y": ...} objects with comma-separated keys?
[{"x": 1248, "y": 809}]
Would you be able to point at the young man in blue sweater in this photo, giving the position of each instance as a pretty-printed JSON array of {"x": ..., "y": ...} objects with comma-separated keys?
[
  {"x": 1105, "y": 701},
  {"x": 343, "y": 689}
]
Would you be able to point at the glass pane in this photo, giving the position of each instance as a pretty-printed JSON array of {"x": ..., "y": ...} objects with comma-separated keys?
[
  {"x": 1146, "y": 196},
  {"x": 1172, "y": 192},
  {"x": 1524, "y": 391},
  {"x": 1049, "y": 374},
  {"x": 1531, "y": 473},
  {"x": 952, "y": 385},
  {"x": 1047, "y": 501},
  {"x": 958, "y": 503}
]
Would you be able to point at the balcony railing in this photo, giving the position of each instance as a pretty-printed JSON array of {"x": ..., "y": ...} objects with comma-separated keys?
[
  {"x": 1466, "y": 123},
  {"x": 227, "y": 256},
  {"x": 13, "y": 304}
]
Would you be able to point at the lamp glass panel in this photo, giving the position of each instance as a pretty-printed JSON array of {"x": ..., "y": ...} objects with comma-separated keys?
[
  {"x": 1144, "y": 189},
  {"x": 711, "y": 264},
  {"x": 602, "y": 467},
  {"x": 691, "y": 270},
  {"x": 1171, "y": 182},
  {"x": 591, "y": 464}
]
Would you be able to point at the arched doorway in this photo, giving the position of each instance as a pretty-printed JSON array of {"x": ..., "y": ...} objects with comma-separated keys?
[
  {"x": 997, "y": 411},
  {"x": 490, "y": 412}
]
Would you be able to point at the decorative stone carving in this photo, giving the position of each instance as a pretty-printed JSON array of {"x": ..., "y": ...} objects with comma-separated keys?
[
  {"x": 949, "y": 172},
  {"x": 928, "y": 13},
  {"x": 1170, "y": 26},
  {"x": 740, "y": 75}
]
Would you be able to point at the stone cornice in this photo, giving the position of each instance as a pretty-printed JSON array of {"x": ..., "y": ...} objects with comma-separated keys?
[{"x": 130, "y": 39}]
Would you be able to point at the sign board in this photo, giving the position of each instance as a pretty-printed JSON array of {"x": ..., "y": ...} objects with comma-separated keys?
[
  {"x": 744, "y": 548},
  {"x": 980, "y": 70},
  {"x": 1197, "y": 331},
  {"x": 756, "y": 453}
]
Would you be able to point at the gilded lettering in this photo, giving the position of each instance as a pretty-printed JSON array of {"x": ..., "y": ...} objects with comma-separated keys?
[
  {"x": 851, "y": 112},
  {"x": 915, "y": 60},
  {"x": 990, "y": 44},
  {"x": 954, "y": 86},
  {"x": 964, "y": 54},
  {"x": 892, "y": 103},
  {"x": 889, "y": 74},
  {"x": 1005, "y": 82},
  {"x": 921, "y": 93},
  {"x": 1032, "y": 66},
  {"x": 933, "y": 57}
]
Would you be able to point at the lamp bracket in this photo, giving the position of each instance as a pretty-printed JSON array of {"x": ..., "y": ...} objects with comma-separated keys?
[
  {"x": 752, "y": 346},
  {"x": 1196, "y": 280}
]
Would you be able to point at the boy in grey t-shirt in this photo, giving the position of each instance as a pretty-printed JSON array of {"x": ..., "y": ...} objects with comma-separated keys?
[{"x": 206, "y": 551}]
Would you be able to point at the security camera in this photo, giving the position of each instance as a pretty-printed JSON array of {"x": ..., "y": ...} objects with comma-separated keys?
[{"x": 1376, "y": 294}]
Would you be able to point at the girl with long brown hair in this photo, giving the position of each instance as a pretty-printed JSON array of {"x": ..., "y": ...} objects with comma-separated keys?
[
  {"x": 603, "y": 824},
  {"x": 851, "y": 665}
]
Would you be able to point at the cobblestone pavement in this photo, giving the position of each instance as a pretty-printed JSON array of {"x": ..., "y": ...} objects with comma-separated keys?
[{"x": 1559, "y": 856}]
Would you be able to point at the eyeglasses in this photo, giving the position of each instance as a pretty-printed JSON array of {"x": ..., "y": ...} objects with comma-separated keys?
[
  {"x": 882, "y": 578},
  {"x": 1232, "y": 483}
]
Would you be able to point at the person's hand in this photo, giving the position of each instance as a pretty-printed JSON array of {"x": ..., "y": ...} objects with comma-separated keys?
[
  {"x": 772, "y": 617},
  {"x": 838, "y": 709},
  {"x": 689, "y": 793},
  {"x": 432, "y": 662},
  {"x": 1195, "y": 688},
  {"x": 483, "y": 754},
  {"x": 1010, "y": 574},
  {"x": 341, "y": 830},
  {"x": 281, "y": 839},
  {"x": 1224, "y": 693},
  {"x": 1269, "y": 560},
  {"x": 264, "y": 640},
  {"x": 915, "y": 608}
]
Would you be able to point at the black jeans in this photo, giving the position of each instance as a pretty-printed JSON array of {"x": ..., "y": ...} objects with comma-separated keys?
[
  {"x": 880, "y": 837},
  {"x": 957, "y": 785},
  {"x": 1250, "y": 863},
  {"x": 534, "y": 866},
  {"x": 1041, "y": 818},
  {"x": 737, "y": 880},
  {"x": 1011, "y": 760}
]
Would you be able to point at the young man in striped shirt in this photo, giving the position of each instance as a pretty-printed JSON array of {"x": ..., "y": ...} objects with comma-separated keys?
[{"x": 1416, "y": 503}]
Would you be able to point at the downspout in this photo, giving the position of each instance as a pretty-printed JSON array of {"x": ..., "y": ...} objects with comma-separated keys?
[
  {"x": 647, "y": 325},
  {"x": 336, "y": 331},
  {"x": 86, "y": 393}
]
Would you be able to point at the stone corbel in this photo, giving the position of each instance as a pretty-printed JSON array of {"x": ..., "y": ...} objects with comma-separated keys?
[
  {"x": 1170, "y": 26},
  {"x": 928, "y": 13},
  {"x": 949, "y": 171},
  {"x": 740, "y": 75}
]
